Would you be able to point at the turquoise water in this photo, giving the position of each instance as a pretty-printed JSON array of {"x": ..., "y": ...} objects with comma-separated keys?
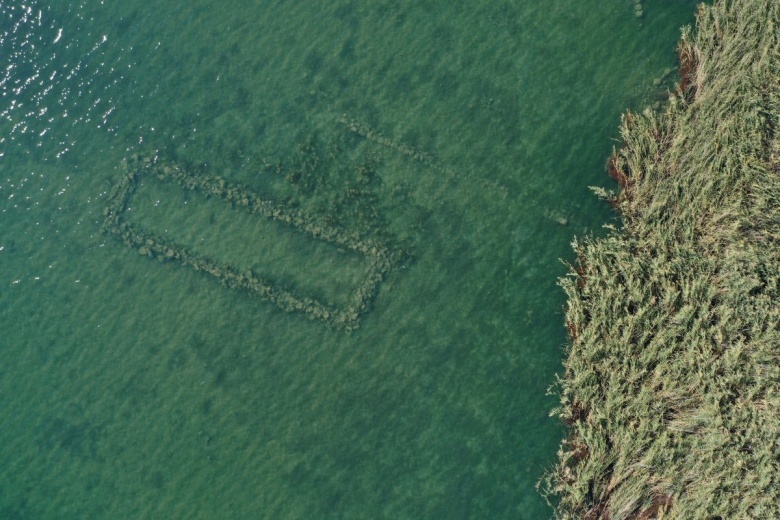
[{"x": 465, "y": 135}]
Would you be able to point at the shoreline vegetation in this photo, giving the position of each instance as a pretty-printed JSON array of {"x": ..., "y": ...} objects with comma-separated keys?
[{"x": 671, "y": 387}]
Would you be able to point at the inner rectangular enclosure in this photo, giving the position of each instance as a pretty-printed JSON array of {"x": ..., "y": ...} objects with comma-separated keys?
[{"x": 210, "y": 228}]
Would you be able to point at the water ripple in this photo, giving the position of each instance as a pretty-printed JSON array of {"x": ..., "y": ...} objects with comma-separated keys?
[{"x": 44, "y": 91}]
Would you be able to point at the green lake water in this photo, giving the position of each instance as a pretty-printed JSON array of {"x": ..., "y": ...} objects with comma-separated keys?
[{"x": 464, "y": 134}]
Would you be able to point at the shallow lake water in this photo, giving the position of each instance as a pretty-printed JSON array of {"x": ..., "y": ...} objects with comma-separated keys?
[{"x": 463, "y": 135}]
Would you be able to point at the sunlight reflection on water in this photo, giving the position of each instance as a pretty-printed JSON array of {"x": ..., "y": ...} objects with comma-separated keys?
[{"x": 44, "y": 92}]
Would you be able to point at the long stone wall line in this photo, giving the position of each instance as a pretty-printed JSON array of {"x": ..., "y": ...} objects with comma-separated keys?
[{"x": 427, "y": 159}]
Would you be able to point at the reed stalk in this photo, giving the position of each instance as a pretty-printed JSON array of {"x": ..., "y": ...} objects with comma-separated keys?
[{"x": 672, "y": 378}]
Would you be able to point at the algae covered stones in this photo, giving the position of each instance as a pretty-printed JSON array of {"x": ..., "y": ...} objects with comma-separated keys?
[
  {"x": 381, "y": 257},
  {"x": 638, "y": 11}
]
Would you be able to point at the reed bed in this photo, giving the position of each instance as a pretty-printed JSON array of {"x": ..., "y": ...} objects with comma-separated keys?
[{"x": 671, "y": 386}]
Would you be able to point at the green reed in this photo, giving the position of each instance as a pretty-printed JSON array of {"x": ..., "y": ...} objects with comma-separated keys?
[{"x": 672, "y": 382}]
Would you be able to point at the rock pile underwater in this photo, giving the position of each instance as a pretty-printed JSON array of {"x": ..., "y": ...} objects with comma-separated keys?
[{"x": 381, "y": 258}]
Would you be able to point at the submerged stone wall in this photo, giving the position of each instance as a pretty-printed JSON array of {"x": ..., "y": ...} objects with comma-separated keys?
[{"x": 381, "y": 257}]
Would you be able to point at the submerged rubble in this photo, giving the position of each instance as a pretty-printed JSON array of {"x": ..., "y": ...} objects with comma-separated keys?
[{"x": 382, "y": 258}]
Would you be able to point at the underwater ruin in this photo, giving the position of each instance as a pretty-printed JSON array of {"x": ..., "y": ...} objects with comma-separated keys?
[{"x": 381, "y": 258}]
